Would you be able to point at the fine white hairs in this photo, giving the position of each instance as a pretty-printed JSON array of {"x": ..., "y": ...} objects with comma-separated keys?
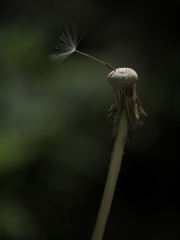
[{"x": 68, "y": 44}]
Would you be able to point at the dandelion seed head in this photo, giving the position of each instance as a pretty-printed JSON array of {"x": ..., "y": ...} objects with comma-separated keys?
[{"x": 68, "y": 43}]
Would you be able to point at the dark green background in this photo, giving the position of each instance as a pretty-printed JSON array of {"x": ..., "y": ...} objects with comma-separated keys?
[{"x": 55, "y": 139}]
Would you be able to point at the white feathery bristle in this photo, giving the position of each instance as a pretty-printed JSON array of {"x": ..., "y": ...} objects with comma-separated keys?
[{"x": 68, "y": 43}]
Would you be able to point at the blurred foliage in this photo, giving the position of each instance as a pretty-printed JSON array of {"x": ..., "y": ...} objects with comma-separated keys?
[{"x": 55, "y": 141}]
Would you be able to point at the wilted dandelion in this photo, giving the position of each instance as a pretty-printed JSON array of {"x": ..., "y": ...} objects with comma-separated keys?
[
  {"x": 68, "y": 44},
  {"x": 123, "y": 93},
  {"x": 126, "y": 113}
]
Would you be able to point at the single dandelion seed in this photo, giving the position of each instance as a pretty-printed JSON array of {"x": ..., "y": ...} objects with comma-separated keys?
[{"x": 68, "y": 44}]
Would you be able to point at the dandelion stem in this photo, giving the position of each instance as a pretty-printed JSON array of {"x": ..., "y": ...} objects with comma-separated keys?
[{"x": 111, "y": 178}]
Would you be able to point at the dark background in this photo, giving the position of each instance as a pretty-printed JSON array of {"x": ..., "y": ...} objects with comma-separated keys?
[{"x": 55, "y": 139}]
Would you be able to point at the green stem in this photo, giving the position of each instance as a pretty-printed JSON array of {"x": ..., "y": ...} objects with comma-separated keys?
[{"x": 111, "y": 178}]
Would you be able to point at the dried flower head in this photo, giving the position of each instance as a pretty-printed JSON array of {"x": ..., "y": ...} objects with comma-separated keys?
[{"x": 123, "y": 81}]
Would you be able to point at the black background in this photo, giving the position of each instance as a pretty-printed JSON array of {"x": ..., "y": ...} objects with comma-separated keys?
[{"x": 55, "y": 141}]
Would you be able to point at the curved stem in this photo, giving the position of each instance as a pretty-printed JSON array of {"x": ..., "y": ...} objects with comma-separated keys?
[
  {"x": 111, "y": 178},
  {"x": 105, "y": 64}
]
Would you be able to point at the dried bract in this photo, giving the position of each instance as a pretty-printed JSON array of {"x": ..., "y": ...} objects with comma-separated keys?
[{"x": 124, "y": 81}]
